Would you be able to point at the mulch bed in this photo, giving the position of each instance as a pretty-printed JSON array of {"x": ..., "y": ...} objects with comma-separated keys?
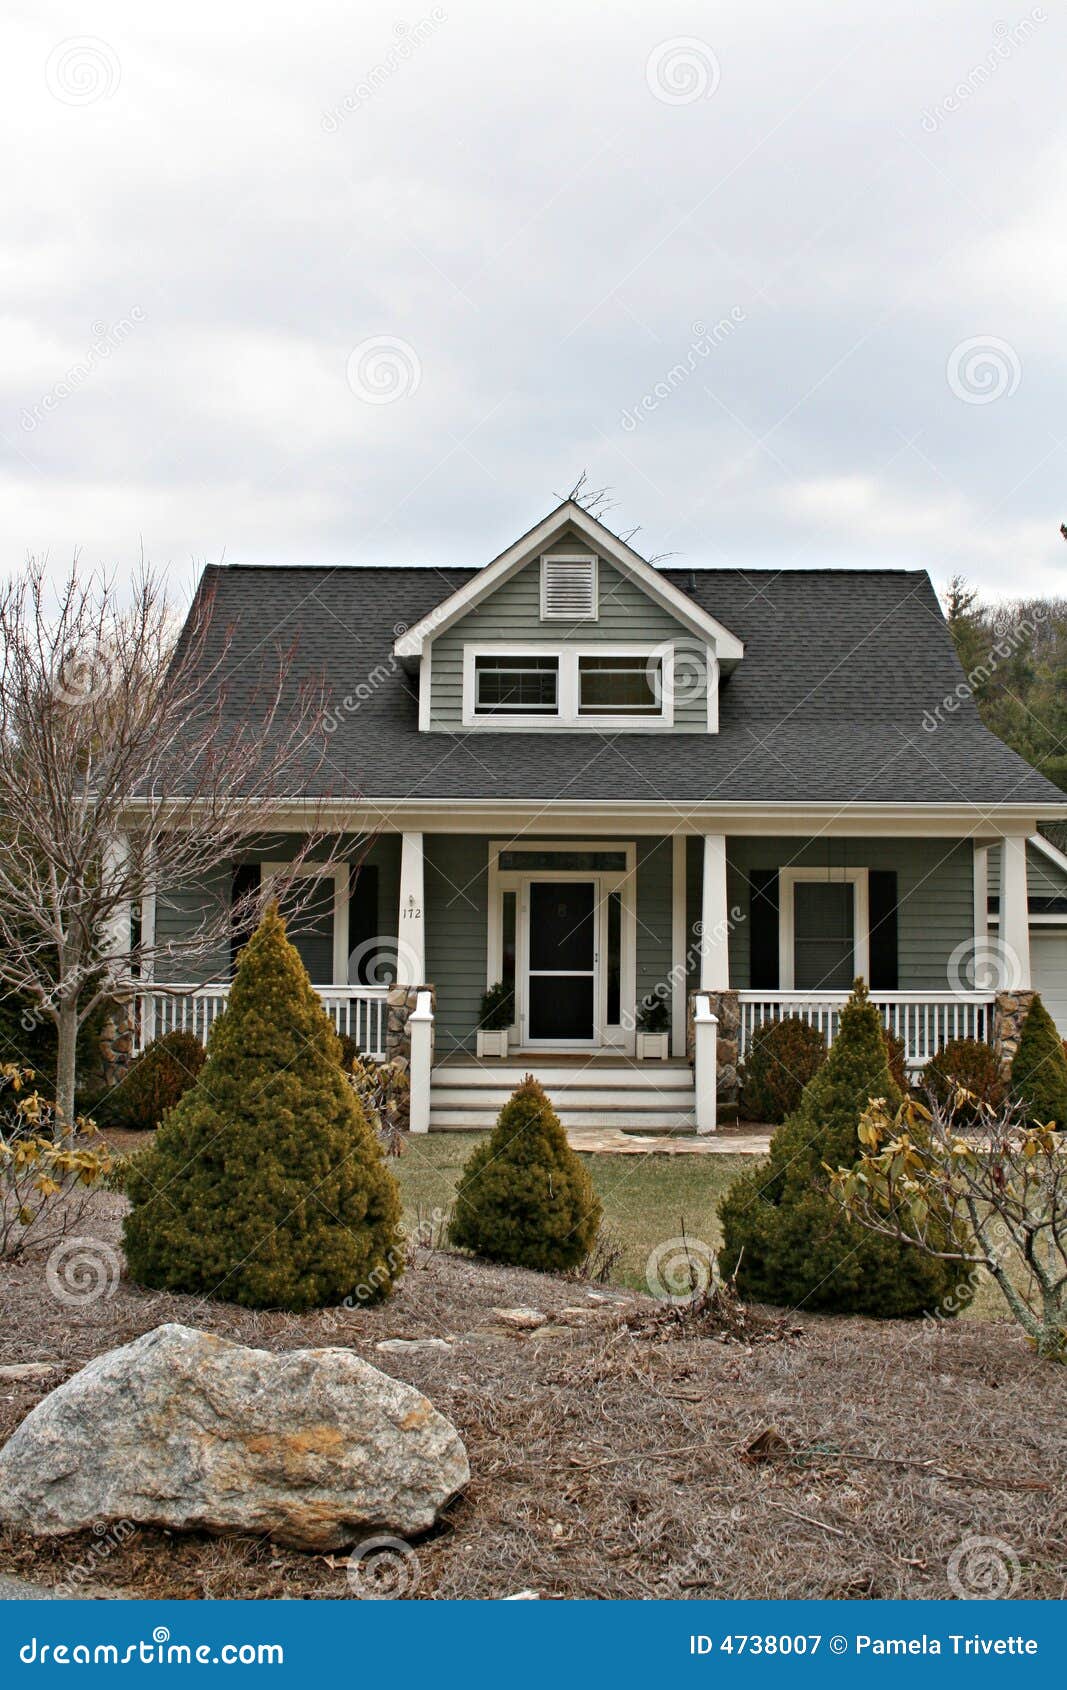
[{"x": 621, "y": 1451}]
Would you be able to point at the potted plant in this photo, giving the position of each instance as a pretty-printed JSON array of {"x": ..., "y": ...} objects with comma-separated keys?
[
  {"x": 495, "y": 1019},
  {"x": 654, "y": 1030}
]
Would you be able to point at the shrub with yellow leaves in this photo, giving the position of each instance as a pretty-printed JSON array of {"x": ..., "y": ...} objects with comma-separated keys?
[
  {"x": 48, "y": 1175},
  {"x": 968, "y": 1183}
]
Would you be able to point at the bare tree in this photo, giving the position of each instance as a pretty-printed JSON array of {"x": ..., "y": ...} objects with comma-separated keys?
[
  {"x": 126, "y": 768},
  {"x": 992, "y": 1197}
]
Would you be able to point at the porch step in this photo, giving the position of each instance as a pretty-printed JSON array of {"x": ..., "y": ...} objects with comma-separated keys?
[
  {"x": 647, "y": 1097},
  {"x": 575, "y": 1120}
]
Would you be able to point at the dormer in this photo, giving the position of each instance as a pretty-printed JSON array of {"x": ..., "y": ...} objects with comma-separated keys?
[{"x": 569, "y": 630}]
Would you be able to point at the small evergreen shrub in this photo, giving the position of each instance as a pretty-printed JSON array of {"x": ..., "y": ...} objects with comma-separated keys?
[
  {"x": 265, "y": 1185},
  {"x": 653, "y": 1016},
  {"x": 968, "y": 1065},
  {"x": 784, "y": 1232},
  {"x": 157, "y": 1081},
  {"x": 497, "y": 1010},
  {"x": 1039, "y": 1070},
  {"x": 895, "y": 1054},
  {"x": 782, "y": 1057},
  {"x": 524, "y": 1197}
]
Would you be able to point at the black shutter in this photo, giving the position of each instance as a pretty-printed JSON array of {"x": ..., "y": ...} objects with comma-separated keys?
[
  {"x": 882, "y": 892},
  {"x": 763, "y": 929},
  {"x": 246, "y": 878},
  {"x": 363, "y": 922}
]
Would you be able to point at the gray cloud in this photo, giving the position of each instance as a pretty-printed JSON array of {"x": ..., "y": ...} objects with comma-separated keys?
[{"x": 209, "y": 216}]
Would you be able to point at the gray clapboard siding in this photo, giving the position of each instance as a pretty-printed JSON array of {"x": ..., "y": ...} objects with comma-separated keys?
[
  {"x": 1044, "y": 879},
  {"x": 456, "y": 870},
  {"x": 513, "y": 612},
  {"x": 654, "y": 862},
  {"x": 180, "y": 911},
  {"x": 935, "y": 893}
]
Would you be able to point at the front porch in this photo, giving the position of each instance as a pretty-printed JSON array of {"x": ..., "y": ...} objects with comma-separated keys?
[{"x": 727, "y": 932}]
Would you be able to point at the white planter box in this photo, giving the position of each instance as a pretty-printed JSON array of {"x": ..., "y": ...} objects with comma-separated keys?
[
  {"x": 493, "y": 1043},
  {"x": 653, "y": 1047}
]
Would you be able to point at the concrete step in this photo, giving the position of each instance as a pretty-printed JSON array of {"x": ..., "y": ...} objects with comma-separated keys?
[
  {"x": 652, "y": 1076},
  {"x": 569, "y": 1097},
  {"x": 635, "y": 1120}
]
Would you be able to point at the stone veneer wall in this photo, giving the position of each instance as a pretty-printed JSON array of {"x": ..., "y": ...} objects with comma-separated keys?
[
  {"x": 726, "y": 1007},
  {"x": 400, "y": 1003},
  {"x": 117, "y": 1045},
  {"x": 1009, "y": 1013}
]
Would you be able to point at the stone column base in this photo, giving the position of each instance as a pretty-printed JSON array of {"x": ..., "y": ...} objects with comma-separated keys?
[
  {"x": 117, "y": 1039},
  {"x": 726, "y": 1007},
  {"x": 1009, "y": 1012},
  {"x": 399, "y": 1004}
]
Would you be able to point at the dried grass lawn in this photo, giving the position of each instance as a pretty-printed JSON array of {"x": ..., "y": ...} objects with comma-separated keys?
[{"x": 608, "y": 1463}]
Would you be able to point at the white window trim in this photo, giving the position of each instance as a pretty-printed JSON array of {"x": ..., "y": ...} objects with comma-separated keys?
[
  {"x": 788, "y": 879},
  {"x": 570, "y": 557},
  {"x": 338, "y": 873},
  {"x": 566, "y": 719}
]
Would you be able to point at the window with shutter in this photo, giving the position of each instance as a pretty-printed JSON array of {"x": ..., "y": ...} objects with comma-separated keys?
[{"x": 568, "y": 587}]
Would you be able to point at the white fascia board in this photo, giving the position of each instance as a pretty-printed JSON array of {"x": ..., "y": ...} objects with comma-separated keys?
[
  {"x": 728, "y": 647},
  {"x": 1052, "y": 852},
  {"x": 989, "y": 823}
]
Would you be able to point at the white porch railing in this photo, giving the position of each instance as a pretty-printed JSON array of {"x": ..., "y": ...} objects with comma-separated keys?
[
  {"x": 358, "y": 1012},
  {"x": 924, "y": 1020}
]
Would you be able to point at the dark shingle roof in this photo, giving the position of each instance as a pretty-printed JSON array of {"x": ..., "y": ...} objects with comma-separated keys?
[{"x": 841, "y": 696}]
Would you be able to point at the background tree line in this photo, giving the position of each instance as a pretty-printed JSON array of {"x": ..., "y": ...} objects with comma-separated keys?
[{"x": 1014, "y": 655}]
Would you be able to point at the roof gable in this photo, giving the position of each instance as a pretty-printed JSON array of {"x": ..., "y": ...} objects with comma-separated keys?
[{"x": 569, "y": 522}]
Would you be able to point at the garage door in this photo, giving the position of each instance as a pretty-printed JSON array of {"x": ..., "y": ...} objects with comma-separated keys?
[{"x": 1048, "y": 962}]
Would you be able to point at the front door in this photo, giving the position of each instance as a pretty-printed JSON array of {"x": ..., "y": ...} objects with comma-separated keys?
[{"x": 562, "y": 994}]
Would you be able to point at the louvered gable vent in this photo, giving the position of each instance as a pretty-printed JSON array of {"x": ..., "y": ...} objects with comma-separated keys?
[{"x": 568, "y": 587}]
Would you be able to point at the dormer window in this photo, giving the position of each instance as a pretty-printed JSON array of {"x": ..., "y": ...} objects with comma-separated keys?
[
  {"x": 568, "y": 587},
  {"x": 516, "y": 686}
]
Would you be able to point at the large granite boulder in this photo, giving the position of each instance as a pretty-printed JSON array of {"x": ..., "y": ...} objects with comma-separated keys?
[{"x": 312, "y": 1448}]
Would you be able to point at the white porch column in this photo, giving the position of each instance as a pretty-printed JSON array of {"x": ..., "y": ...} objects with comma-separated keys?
[
  {"x": 411, "y": 930},
  {"x": 714, "y": 915},
  {"x": 1014, "y": 914},
  {"x": 705, "y": 1063},
  {"x": 115, "y": 866},
  {"x": 678, "y": 946},
  {"x": 420, "y": 1032},
  {"x": 983, "y": 981}
]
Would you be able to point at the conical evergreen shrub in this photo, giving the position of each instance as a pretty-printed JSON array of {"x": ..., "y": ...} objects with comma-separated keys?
[
  {"x": 265, "y": 1185},
  {"x": 786, "y": 1235},
  {"x": 524, "y": 1197},
  {"x": 1039, "y": 1069}
]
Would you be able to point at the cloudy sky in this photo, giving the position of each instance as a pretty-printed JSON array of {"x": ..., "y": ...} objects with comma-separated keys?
[{"x": 336, "y": 284}]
